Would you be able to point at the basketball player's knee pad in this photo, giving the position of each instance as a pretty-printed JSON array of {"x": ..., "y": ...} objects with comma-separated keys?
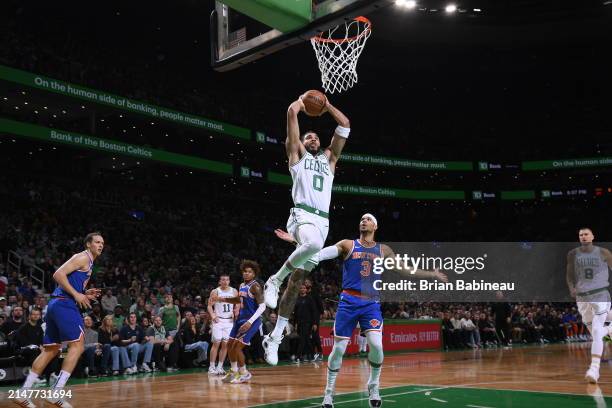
[
  {"x": 375, "y": 356},
  {"x": 334, "y": 361}
]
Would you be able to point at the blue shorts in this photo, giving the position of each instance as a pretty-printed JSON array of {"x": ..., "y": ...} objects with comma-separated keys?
[
  {"x": 64, "y": 322},
  {"x": 353, "y": 309},
  {"x": 245, "y": 338}
]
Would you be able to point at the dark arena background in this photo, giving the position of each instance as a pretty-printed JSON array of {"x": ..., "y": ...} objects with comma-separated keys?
[{"x": 475, "y": 121}]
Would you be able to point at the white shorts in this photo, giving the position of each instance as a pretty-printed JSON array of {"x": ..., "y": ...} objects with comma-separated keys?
[
  {"x": 297, "y": 217},
  {"x": 221, "y": 330},
  {"x": 590, "y": 309}
]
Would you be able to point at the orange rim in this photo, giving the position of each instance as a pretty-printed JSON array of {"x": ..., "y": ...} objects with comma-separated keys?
[{"x": 361, "y": 19}]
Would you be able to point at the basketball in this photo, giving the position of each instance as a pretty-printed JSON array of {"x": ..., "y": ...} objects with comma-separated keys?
[{"x": 314, "y": 102}]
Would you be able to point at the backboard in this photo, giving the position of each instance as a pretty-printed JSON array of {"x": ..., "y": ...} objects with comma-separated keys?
[{"x": 242, "y": 31}]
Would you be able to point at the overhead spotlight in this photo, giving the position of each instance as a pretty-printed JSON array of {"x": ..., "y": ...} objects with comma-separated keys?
[
  {"x": 451, "y": 8},
  {"x": 410, "y": 4},
  {"x": 401, "y": 2}
]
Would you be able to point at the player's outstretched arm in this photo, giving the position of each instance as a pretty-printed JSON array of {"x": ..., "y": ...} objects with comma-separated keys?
[
  {"x": 570, "y": 273},
  {"x": 77, "y": 262},
  {"x": 340, "y": 136},
  {"x": 341, "y": 249},
  {"x": 294, "y": 148},
  {"x": 411, "y": 272},
  {"x": 214, "y": 298}
]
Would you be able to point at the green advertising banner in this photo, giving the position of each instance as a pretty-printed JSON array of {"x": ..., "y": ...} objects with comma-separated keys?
[
  {"x": 119, "y": 102},
  {"x": 380, "y": 191},
  {"x": 95, "y": 143},
  {"x": 407, "y": 163},
  {"x": 566, "y": 163}
]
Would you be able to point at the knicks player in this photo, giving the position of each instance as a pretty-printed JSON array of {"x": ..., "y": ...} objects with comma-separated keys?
[
  {"x": 63, "y": 319},
  {"x": 222, "y": 315},
  {"x": 312, "y": 171},
  {"x": 587, "y": 279},
  {"x": 358, "y": 306},
  {"x": 252, "y": 305}
]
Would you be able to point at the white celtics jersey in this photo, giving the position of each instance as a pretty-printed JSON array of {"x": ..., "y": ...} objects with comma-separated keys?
[
  {"x": 225, "y": 311},
  {"x": 312, "y": 181},
  {"x": 591, "y": 270}
]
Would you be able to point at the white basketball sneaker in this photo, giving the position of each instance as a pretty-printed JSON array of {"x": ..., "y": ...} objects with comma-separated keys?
[
  {"x": 374, "y": 398},
  {"x": 270, "y": 345},
  {"x": 242, "y": 378},
  {"x": 592, "y": 375},
  {"x": 328, "y": 401},
  {"x": 271, "y": 289}
]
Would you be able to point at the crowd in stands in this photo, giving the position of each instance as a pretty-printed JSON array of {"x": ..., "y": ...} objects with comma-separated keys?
[{"x": 156, "y": 274}]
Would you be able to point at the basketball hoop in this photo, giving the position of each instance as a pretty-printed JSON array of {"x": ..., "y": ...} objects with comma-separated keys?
[{"x": 338, "y": 56}]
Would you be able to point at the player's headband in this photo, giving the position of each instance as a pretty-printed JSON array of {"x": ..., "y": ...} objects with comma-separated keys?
[{"x": 372, "y": 217}]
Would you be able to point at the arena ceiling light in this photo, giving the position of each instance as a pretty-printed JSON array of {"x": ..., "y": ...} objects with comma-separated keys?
[
  {"x": 409, "y": 4},
  {"x": 451, "y": 8}
]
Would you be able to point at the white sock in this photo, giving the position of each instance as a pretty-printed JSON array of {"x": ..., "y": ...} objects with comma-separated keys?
[
  {"x": 374, "y": 374},
  {"x": 279, "y": 329},
  {"x": 62, "y": 379},
  {"x": 330, "y": 388},
  {"x": 595, "y": 361},
  {"x": 30, "y": 379},
  {"x": 220, "y": 364},
  {"x": 282, "y": 273},
  {"x": 243, "y": 369},
  {"x": 234, "y": 365}
]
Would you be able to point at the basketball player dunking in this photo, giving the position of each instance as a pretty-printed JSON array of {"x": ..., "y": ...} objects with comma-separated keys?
[
  {"x": 312, "y": 171},
  {"x": 248, "y": 323},
  {"x": 587, "y": 279},
  {"x": 222, "y": 315},
  {"x": 64, "y": 321},
  {"x": 356, "y": 306}
]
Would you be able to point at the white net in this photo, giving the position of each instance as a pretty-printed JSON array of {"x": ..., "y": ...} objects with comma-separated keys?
[{"x": 338, "y": 55}]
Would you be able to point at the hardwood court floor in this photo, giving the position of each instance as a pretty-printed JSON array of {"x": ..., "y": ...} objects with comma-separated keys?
[{"x": 538, "y": 376}]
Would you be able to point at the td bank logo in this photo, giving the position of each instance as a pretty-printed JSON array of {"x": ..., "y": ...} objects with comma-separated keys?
[
  {"x": 2, "y": 374},
  {"x": 245, "y": 172}
]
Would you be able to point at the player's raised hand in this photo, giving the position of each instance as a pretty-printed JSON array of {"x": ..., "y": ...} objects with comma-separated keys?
[
  {"x": 300, "y": 103},
  {"x": 244, "y": 328},
  {"x": 82, "y": 300},
  {"x": 284, "y": 235}
]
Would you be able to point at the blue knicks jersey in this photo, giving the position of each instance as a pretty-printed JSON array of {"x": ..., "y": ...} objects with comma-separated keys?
[
  {"x": 357, "y": 269},
  {"x": 248, "y": 303},
  {"x": 77, "y": 279}
]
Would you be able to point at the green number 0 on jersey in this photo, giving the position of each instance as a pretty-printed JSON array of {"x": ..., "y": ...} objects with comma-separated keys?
[{"x": 317, "y": 183}]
